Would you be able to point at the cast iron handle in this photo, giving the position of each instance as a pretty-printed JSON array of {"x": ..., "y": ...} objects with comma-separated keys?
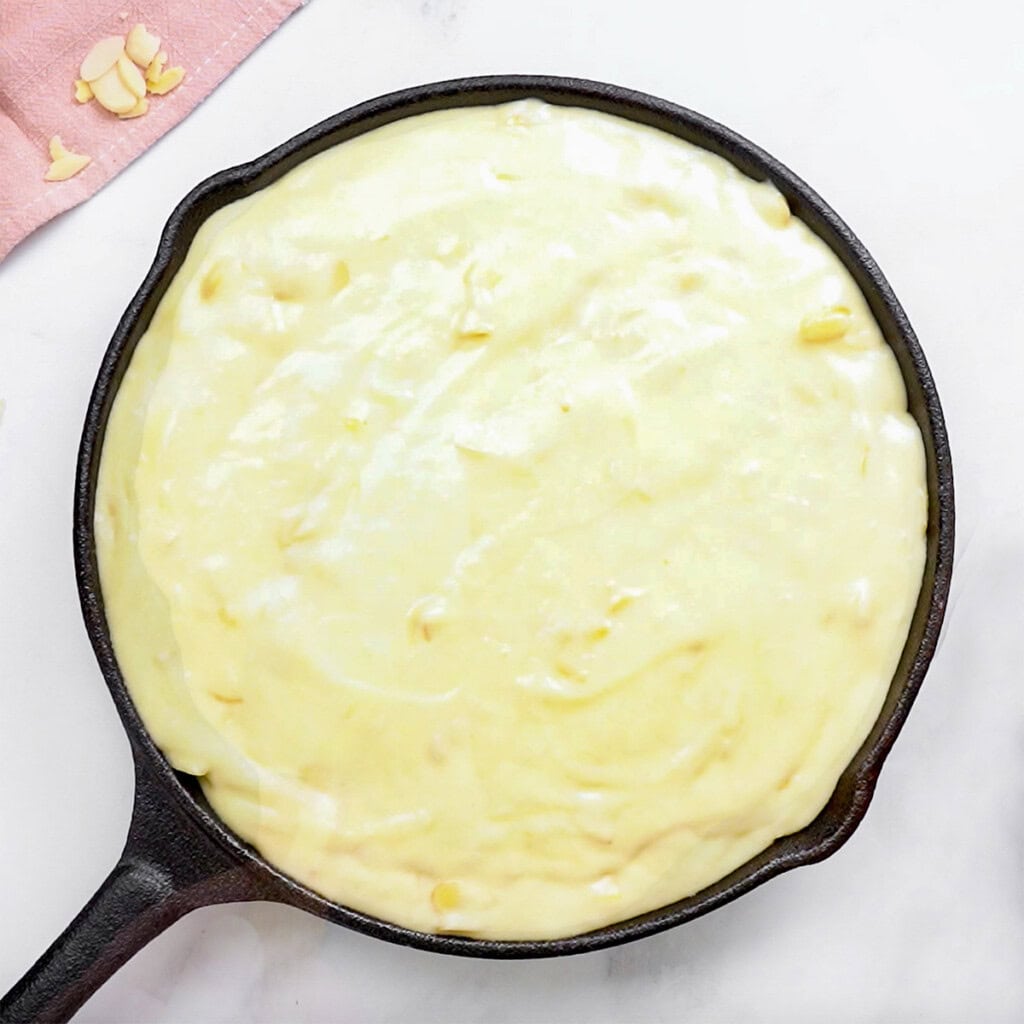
[{"x": 168, "y": 868}]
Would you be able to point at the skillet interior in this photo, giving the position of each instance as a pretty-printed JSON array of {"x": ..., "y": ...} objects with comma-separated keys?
[{"x": 849, "y": 802}]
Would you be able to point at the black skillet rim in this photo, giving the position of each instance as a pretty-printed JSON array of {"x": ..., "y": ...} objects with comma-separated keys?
[{"x": 853, "y": 793}]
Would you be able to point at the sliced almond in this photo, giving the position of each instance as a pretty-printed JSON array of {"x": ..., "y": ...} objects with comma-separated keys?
[
  {"x": 112, "y": 93},
  {"x": 141, "y": 45},
  {"x": 156, "y": 66},
  {"x": 169, "y": 80},
  {"x": 67, "y": 166},
  {"x": 101, "y": 58},
  {"x": 57, "y": 149},
  {"x": 131, "y": 76},
  {"x": 826, "y": 325},
  {"x": 83, "y": 93},
  {"x": 137, "y": 111}
]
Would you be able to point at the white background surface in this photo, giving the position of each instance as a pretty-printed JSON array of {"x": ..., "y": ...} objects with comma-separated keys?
[{"x": 906, "y": 117}]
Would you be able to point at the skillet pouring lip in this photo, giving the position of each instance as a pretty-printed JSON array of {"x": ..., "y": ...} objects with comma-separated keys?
[{"x": 848, "y": 804}]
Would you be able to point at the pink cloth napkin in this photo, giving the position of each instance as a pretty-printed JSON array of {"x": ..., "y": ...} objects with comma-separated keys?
[{"x": 42, "y": 43}]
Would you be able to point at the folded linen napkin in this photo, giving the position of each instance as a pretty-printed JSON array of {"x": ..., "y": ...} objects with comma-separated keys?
[{"x": 42, "y": 44}]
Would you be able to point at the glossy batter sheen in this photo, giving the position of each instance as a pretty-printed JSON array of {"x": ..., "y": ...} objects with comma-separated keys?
[{"x": 513, "y": 517}]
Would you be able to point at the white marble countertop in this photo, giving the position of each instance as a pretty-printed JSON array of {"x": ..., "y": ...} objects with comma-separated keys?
[{"x": 906, "y": 118}]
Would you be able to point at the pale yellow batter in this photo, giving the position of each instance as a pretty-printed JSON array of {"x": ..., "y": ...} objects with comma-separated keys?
[{"x": 513, "y": 517}]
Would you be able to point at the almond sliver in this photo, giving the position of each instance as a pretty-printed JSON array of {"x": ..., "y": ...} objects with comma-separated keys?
[
  {"x": 137, "y": 111},
  {"x": 131, "y": 76},
  {"x": 101, "y": 58},
  {"x": 141, "y": 45},
  {"x": 111, "y": 92},
  {"x": 67, "y": 166},
  {"x": 169, "y": 80},
  {"x": 156, "y": 67},
  {"x": 57, "y": 149}
]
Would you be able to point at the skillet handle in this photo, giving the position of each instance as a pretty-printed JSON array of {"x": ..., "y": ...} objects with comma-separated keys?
[{"x": 168, "y": 868}]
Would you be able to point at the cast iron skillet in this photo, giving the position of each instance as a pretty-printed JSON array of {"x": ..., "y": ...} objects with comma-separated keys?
[{"x": 178, "y": 855}]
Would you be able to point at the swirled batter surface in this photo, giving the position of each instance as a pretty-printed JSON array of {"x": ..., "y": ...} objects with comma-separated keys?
[{"x": 513, "y": 517}]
